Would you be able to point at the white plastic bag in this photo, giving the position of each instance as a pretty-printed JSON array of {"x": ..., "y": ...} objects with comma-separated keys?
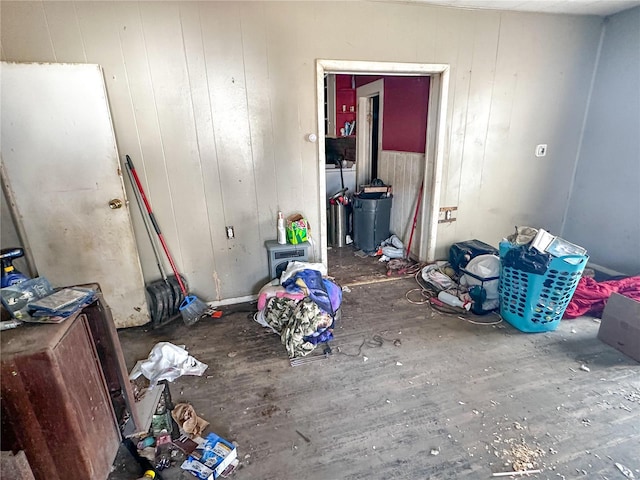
[
  {"x": 295, "y": 267},
  {"x": 393, "y": 252},
  {"x": 433, "y": 275},
  {"x": 484, "y": 266},
  {"x": 167, "y": 362},
  {"x": 393, "y": 241}
]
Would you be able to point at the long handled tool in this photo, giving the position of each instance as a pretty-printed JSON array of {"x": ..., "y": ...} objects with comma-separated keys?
[
  {"x": 415, "y": 220},
  {"x": 191, "y": 308},
  {"x": 156, "y": 253},
  {"x": 165, "y": 296}
]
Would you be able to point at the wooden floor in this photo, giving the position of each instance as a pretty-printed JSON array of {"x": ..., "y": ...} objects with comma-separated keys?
[
  {"x": 349, "y": 269},
  {"x": 443, "y": 403}
]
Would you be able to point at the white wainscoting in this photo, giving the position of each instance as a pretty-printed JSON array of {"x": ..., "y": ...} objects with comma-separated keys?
[{"x": 404, "y": 171}]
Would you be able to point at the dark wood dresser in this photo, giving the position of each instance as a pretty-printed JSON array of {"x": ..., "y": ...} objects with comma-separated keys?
[{"x": 66, "y": 394}]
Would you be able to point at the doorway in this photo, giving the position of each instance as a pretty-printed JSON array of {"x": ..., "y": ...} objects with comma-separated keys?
[
  {"x": 375, "y": 134},
  {"x": 435, "y": 136},
  {"x": 369, "y": 136}
]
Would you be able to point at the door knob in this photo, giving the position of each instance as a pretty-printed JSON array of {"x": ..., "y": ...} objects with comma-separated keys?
[{"x": 115, "y": 203}]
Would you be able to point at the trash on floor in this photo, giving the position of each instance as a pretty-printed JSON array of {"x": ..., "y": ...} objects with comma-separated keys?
[
  {"x": 513, "y": 474},
  {"x": 401, "y": 266},
  {"x": 521, "y": 456},
  {"x": 392, "y": 247},
  {"x": 625, "y": 471},
  {"x": 187, "y": 419},
  {"x": 439, "y": 275},
  {"x": 148, "y": 474},
  {"x": 215, "y": 457},
  {"x": 301, "y": 307},
  {"x": 452, "y": 292},
  {"x": 304, "y": 437},
  {"x": 185, "y": 444},
  {"x": 212, "y": 312},
  {"x": 167, "y": 362},
  {"x": 166, "y": 445},
  {"x": 296, "y": 362}
]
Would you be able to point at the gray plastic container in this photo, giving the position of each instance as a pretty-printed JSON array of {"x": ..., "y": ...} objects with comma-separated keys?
[{"x": 371, "y": 218}]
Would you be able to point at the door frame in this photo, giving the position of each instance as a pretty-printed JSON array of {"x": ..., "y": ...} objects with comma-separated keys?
[
  {"x": 364, "y": 94},
  {"x": 436, "y": 130}
]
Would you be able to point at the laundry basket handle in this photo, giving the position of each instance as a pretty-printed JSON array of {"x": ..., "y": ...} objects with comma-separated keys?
[{"x": 570, "y": 257}]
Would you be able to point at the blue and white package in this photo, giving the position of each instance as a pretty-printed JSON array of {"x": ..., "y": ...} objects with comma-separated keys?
[
  {"x": 195, "y": 468},
  {"x": 211, "y": 459}
]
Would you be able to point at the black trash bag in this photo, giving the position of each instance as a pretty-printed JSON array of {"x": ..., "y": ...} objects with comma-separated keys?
[
  {"x": 528, "y": 260},
  {"x": 460, "y": 253}
]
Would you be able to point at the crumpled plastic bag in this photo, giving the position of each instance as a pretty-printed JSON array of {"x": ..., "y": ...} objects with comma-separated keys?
[
  {"x": 295, "y": 267},
  {"x": 393, "y": 241},
  {"x": 393, "y": 252},
  {"x": 527, "y": 260},
  {"x": 167, "y": 362},
  {"x": 185, "y": 416},
  {"x": 523, "y": 235},
  {"x": 486, "y": 267},
  {"x": 392, "y": 247},
  {"x": 434, "y": 275}
]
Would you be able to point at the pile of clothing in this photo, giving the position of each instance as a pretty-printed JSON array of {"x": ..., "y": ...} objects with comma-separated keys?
[
  {"x": 300, "y": 306},
  {"x": 591, "y": 296}
]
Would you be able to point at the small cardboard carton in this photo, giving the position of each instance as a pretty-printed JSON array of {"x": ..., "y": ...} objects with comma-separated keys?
[
  {"x": 620, "y": 326},
  {"x": 297, "y": 229},
  {"x": 212, "y": 459}
]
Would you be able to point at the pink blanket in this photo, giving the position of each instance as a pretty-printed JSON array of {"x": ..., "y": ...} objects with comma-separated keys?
[{"x": 590, "y": 296}]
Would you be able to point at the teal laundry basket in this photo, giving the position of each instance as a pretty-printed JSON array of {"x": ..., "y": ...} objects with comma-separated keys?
[{"x": 536, "y": 302}]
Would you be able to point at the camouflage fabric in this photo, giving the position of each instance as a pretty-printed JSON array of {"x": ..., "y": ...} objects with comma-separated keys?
[{"x": 295, "y": 320}]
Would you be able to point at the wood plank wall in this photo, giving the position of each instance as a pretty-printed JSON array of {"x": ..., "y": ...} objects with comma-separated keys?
[
  {"x": 214, "y": 100},
  {"x": 403, "y": 171}
]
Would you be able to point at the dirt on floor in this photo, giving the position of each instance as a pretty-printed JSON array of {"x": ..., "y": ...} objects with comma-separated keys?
[{"x": 409, "y": 393}]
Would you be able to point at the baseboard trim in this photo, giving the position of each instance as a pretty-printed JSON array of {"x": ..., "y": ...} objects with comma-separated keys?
[
  {"x": 231, "y": 301},
  {"x": 606, "y": 271}
]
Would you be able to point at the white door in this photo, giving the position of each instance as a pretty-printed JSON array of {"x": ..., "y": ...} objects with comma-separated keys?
[
  {"x": 365, "y": 94},
  {"x": 59, "y": 151}
]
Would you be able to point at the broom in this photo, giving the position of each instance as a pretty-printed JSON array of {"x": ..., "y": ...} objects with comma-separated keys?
[
  {"x": 191, "y": 308},
  {"x": 415, "y": 220}
]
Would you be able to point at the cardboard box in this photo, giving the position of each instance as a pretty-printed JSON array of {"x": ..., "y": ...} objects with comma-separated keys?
[
  {"x": 376, "y": 188},
  {"x": 297, "y": 229},
  {"x": 620, "y": 326},
  {"x": 211, "y": 459}
]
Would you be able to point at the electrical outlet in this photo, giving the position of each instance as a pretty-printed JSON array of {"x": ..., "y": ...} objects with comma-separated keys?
[
  {"x": 230, "y": 232},
  {"x": 447, "y": 214},
  {"x": 541, "y": 150}
]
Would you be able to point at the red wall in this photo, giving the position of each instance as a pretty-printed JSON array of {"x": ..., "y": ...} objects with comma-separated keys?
[{"x": 405, "y": 111}]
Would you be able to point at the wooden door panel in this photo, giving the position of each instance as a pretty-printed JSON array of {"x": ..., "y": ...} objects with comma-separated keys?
[{"x": 59, "y": 151}]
